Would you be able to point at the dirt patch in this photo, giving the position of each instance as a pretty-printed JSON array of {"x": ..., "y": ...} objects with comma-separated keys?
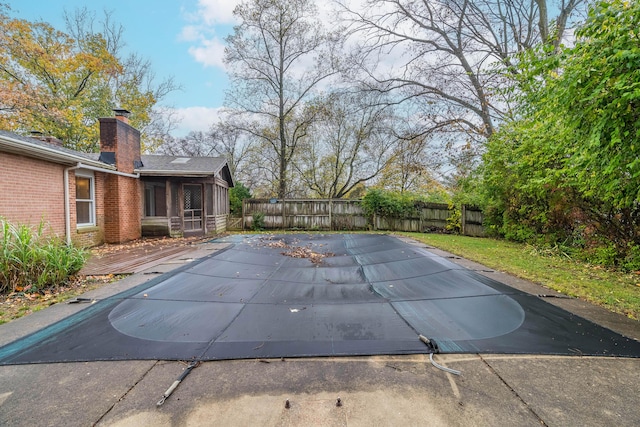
[{"x": 19, "y": 304}]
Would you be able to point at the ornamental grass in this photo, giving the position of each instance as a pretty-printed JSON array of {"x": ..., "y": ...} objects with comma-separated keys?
[{"x": 32, "y": 261}]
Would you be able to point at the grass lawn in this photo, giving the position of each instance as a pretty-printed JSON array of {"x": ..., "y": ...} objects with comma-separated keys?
[{"x": 616, "y": 291}]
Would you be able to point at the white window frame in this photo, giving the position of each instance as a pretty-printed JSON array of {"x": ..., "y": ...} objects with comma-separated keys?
[{"x": 91, "y": 201}]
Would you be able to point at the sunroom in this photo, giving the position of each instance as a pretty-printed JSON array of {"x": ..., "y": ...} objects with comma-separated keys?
[{"x": 184, "y": 196}]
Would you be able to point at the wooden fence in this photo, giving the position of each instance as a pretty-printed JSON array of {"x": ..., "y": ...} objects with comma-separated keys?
[
  {"x": 234, "y": 223},
  {"x": 344, "y": 214},
  {"x": 471, "y": 221}
]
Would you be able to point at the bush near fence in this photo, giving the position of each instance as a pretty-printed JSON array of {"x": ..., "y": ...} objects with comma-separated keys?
[{"x": 349, "y": 215}]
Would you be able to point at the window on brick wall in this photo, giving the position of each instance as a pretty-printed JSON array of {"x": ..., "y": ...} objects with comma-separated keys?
[
  {"x": 155, "y": 199},
  {"x": 85, "y": 200}
]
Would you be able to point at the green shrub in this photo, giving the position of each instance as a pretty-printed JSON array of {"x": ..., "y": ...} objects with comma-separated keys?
[
  {"x": 605, "y": 255},
  {"x": 388, "y": 204},
  {"x": 30, "y": 260},
  {"x": 236, "y": 195},
  {"x": 609, "y": 255},
  {"x": 631, "y": 261},
  {"x": 258, "y": 221},
  {"x": 454, "y": 221}
]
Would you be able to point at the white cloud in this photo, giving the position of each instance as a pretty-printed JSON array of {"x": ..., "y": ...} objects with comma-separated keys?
[
  {"x": 203, "y": 32},
  {"x": 190, "y": 33},
  {"x": 196, "y": 119},
  {"x": 214, "y": 12},
  {"x": 210, "y": 52}
]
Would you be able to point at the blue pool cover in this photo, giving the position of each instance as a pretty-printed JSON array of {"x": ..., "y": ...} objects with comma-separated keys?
[{"x": 316, "y": 295}]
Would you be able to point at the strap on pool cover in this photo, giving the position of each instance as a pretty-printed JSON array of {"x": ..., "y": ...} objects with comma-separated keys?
[
  {"x": 177, "y": 382},
  {"x": 433, "y": 347}
]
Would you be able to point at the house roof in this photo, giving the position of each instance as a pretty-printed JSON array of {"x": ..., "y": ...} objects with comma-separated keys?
[
  {"x": 162, "y": 165},
  {"x": 32, "y": 147},
  {"x": 153, "y": 165}
]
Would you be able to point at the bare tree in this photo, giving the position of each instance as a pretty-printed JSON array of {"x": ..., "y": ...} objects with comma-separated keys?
[
  {"x": 348, "y": 145},
  {"x": 452, "y": 57},
  {"x": 277, "y": 57},
  {"x": 261, "y": 173},
  {"x": 194, "y": 144},
  {"x": 233, "y": 145},
  {"x": 412, "y": 166}
]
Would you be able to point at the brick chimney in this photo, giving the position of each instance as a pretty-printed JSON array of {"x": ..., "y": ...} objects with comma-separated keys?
[
  {"x": 120, "y": 146},
  {"x": 122, "y": 114},
  {"x": 35, "y": 134},
  {"x": 120, "y": 142}
]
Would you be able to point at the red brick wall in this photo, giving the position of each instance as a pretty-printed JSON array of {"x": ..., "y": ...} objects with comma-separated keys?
[
  {"x": 32, "y": 190},
  {"x": 122, "y": 200},
  {"x": 122, "y": 209}
]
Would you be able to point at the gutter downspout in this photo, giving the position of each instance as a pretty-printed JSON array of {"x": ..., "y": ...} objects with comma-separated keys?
[{"x": 67, "y": 208}]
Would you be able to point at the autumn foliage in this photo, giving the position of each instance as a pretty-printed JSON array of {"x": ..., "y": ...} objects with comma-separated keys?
[{"x": 59, "y": 83}]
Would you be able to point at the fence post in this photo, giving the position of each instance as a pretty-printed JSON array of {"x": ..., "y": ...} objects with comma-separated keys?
[
  {"x": 244, "y": 202},
  {"x": 463, "y": 219},
  {"x": 330, "y": 217},
  {"x": 284, "y": 216}
]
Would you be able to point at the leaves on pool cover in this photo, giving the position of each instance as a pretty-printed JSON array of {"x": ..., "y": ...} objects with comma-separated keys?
[
  {"x": 277, "y": 244},
  {"x": 299, "y": 251},
  {"x": 307, "y": 252}
]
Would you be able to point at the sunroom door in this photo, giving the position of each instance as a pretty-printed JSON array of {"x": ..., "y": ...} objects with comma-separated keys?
[{"x": 192, "y": 220}]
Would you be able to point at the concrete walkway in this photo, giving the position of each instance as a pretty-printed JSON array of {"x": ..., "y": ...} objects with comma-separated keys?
[{"x": 388, "y": 390}]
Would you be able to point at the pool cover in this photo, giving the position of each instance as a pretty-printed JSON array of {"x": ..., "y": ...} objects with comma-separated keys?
[{"x": 316, "y": 295}]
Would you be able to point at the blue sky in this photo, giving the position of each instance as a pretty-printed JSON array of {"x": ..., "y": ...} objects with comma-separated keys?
[{"x": 181, "y": 38}]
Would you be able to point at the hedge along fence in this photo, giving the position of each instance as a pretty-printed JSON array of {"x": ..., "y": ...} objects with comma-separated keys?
[{"x": 348, "y": 214}]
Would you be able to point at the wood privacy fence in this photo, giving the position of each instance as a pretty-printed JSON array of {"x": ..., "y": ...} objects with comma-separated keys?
[{"x": 345, "y": 214}]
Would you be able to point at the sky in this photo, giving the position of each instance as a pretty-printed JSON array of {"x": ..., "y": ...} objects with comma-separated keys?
[{"x": 181, "y": 38}]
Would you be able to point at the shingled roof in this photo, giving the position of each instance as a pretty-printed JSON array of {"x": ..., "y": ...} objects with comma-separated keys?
[
  {"x": 162, "y": 165},
  {"x": 153, "y": 165},
  {"x": 18, "y": 144}
]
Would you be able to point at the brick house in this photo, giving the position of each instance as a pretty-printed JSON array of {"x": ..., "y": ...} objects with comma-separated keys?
[{"x": 113, "y": 196}]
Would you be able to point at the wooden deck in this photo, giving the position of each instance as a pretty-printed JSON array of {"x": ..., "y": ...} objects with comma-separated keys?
[{"x": 134, "y": 257}]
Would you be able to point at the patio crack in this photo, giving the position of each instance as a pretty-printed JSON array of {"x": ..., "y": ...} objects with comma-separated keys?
[
  {"x": 144, "y": 374},
  {"x": 515, "y": 393}
]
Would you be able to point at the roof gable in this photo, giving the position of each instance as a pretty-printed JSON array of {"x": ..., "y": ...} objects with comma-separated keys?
[{"x": 164, "y": 165}]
